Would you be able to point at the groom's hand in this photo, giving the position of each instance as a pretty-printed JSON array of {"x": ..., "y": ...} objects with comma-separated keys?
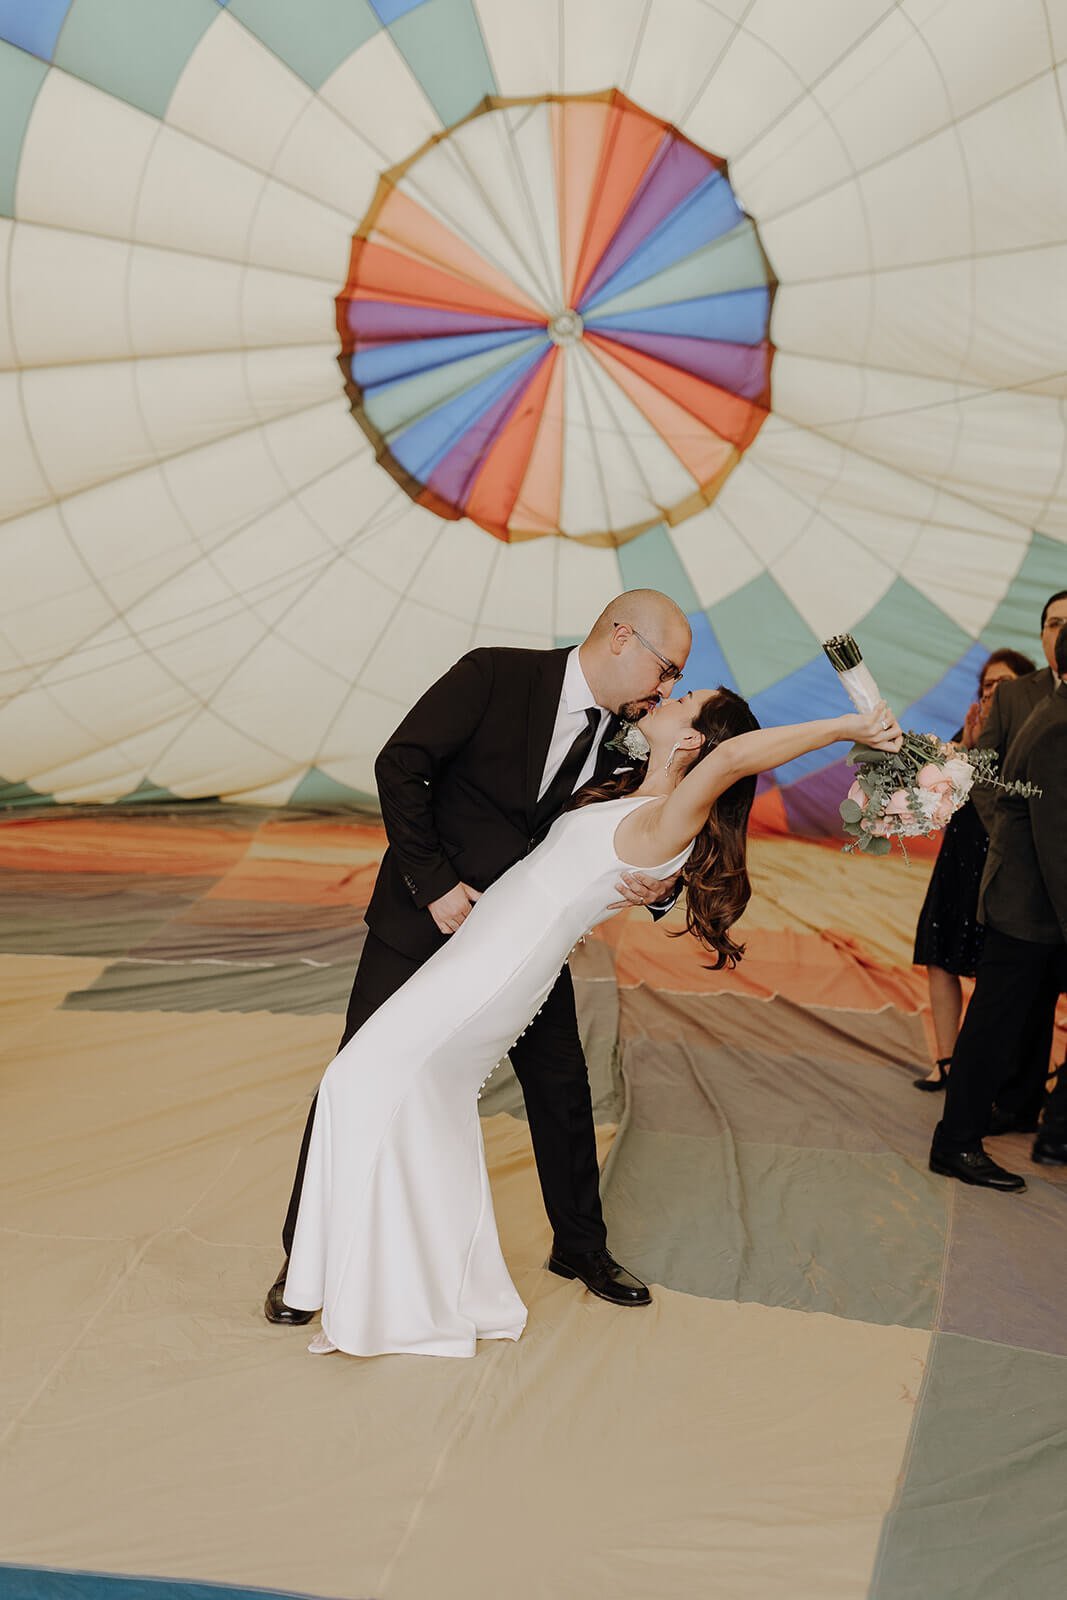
[
  {"x": 638, "y": 889},
  {"x": 454, "y": 907}
]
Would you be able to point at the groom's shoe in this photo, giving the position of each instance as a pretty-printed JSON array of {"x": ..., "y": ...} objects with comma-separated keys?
[
  {"x": 601, "y": 1274},
  {"x": 275, "y": 1308}
]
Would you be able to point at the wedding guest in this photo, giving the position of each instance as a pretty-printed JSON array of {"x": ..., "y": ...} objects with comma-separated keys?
[
  {"x": 1022, "y": 1089},
  {"x": 1050, "y": 1146},
  {"x": 948, "y": 936},
  {"x": 1023, "y": 905}
]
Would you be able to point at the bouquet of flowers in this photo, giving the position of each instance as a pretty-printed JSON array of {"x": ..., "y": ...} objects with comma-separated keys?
[{"x": 916, "y": 790}]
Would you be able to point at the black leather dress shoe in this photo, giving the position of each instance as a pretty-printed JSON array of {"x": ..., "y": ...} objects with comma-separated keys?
[
  {"x": 1050, "y": 1149},
  {"x": 1010, "y": 1122},
  {"x": 275, "y": 1308},
  {"x": 602, "y": 1275},
  {"x": 974, "y": 1166}
]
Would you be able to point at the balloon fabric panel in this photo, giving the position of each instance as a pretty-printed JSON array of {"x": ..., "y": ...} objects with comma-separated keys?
[{"x": 631, "y": 292}]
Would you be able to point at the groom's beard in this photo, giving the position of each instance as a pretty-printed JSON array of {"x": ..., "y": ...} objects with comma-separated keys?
[{"x": 634, "y": 710}]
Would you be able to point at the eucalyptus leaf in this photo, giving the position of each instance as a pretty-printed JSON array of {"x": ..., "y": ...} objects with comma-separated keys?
[
  {"x": 862, "y": 753},
  {"x": 850, "y": 810}
]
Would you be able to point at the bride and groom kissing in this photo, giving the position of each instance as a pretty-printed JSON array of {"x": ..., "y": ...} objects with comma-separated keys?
[{"x": 512, "y": 830}]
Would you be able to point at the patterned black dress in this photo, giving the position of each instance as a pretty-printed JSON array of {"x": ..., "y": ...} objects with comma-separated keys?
[{"x": 949, "y": 934}]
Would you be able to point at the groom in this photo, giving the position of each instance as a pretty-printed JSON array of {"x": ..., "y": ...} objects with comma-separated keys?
[{"x": 471, "y": 780}]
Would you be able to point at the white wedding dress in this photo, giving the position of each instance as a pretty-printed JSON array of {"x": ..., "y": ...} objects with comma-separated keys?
[{"x": 396, "y": 1238}]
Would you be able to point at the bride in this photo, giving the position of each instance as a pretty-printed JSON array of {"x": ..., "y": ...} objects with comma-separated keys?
[{"x": 395, "y": 1238}]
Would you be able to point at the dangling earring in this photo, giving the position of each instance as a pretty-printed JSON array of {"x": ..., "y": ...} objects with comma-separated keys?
[{"x": 674, "y": 751}]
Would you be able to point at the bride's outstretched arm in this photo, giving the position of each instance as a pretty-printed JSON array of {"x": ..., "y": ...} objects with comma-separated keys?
[{"x": 686, "y": 808}]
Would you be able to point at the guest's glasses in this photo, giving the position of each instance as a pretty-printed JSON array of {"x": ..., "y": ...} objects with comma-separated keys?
[{"x": 670, "y": 673}]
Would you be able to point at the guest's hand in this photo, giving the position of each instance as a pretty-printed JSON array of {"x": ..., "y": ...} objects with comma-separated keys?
[
  {"x": 454, "y": 907},
  {"x": 638, "y": 889},
  {"x": 879, "y": 729},
  {"x": 973, "y": 723}
]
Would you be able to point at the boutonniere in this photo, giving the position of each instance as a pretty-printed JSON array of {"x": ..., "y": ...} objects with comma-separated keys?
[{"x": 630, "y": 742}]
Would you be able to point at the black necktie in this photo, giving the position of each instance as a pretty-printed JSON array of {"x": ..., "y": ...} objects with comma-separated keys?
[{"x": 561, "y": 787}]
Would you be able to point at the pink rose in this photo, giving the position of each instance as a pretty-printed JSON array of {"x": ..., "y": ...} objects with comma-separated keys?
[
  {"x": 931, "y": 777},
  {"x": 857, "y": 794},
  {"x": 897, "y": 804},
  {"x": 943, "y": 812}
]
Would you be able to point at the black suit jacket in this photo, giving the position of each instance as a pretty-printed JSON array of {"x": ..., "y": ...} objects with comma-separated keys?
[
  {"x": 1012, "y": 704},
  {"x": 458, "y": 783},
  {"x": 1024, "y": 886}
]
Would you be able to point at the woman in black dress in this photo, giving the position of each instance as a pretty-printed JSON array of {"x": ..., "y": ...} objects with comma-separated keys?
[{"x": 949, "y": 935}]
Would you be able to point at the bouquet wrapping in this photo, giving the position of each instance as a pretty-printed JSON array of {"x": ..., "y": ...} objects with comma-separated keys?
[
  {"x": 916, "y": 790},
  {"x": 855, "y": 675}
]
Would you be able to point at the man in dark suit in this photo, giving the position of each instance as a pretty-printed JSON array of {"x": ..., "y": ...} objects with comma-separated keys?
[
  {"x": 1023, "y": 904},
  {"x": 471, "y": 780},
  {"x": 1022, "y": 1089},
  {"x": 1016, "y": 698}
]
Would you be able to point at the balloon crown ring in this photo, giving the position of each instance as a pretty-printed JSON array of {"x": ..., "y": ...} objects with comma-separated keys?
[{"x": 556, "y": 321}]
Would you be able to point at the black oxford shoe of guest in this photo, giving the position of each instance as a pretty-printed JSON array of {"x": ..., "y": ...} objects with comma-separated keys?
[
  {"x": 602, "y": 1276},
  {"x": 974, "y": 1166},
  {"x": 275, "y": 1308},
  {"x": 1049, "y": 1150}
]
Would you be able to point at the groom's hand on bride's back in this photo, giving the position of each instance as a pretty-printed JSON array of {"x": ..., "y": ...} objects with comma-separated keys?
[
  {"x": 454, "y": 907},
  {"x": 638, "y": 889}
]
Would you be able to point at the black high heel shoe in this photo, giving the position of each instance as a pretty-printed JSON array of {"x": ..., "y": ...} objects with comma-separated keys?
[{"x": 934, "y": 1085}]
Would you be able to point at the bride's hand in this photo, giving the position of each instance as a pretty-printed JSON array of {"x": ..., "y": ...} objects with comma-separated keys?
[{"x": 878, "y": 728}]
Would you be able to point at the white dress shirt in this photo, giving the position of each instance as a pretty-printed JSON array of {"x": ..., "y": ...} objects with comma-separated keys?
[{"x": 574, "y": 701}]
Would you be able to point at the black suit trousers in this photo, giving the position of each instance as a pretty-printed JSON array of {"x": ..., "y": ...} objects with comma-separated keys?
[
  {"x": 1016, "y": 983},
  {"x": 1023, "y": 1093},
  {"x": 550, "y": 1066}
]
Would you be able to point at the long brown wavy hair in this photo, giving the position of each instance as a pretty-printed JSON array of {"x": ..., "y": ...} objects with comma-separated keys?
[{"x": 717, "y": 887}]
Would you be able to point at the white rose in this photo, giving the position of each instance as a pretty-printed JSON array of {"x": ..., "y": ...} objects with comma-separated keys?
[{"x": 960, "y": 774}]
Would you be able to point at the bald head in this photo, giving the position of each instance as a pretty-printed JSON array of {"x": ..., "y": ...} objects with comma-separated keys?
[
  {"x": 647, "y": 611},
  {"x": 639, "y": 635}
]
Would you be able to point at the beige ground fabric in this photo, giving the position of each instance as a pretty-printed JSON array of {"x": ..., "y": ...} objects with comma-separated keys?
[{"x": 151, "y": 1422}]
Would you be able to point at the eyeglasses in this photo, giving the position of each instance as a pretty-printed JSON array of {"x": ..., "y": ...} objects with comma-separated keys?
[{"x": 670, "y": 673}]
